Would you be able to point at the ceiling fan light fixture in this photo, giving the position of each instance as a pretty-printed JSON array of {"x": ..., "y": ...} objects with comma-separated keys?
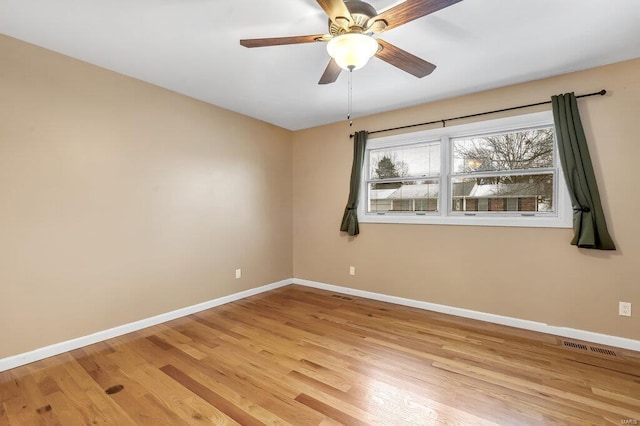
[{"x": 353, "y": 50}]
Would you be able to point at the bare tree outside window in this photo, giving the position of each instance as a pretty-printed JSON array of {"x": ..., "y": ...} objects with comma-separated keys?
[{"x": 530, "y": 149}]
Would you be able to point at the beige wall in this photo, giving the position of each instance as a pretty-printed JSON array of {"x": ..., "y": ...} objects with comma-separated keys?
[
  {"x": 120, "y": 200},
  {"x": 527, "y": 273}
]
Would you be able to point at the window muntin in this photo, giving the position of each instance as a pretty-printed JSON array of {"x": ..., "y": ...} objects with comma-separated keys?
[{"x": 469, "y": 178}]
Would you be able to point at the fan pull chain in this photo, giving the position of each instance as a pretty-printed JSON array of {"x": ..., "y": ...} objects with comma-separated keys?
[{"x": 350, "y": 98}]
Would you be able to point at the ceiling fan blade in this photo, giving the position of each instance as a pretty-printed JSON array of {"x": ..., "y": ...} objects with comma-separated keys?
[
  {"x": 337, "y": 12},
  {"x": 409, "y": 10},
  {"x": 331, "y": 73},
  {"x": 278, "y": 41},
  {"x": 404, "y": 60}
]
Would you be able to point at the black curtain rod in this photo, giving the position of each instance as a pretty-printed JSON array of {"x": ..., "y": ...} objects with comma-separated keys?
[{"x": 443, "y": 121}]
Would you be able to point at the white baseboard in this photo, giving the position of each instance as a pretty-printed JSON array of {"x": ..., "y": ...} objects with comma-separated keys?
[
  {"x": 588, "y": 336},
  {"x": 69, "y": 345}
]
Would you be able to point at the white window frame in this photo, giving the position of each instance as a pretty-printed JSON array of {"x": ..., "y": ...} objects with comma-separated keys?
[{"x": 562, "y": 217}]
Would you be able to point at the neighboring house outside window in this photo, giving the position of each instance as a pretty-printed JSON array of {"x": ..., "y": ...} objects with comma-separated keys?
[{"x": 501, "y": 172}]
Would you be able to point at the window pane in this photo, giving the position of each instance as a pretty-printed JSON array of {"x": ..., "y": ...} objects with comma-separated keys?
[
  {"x": 526, "y": 149},
  {"x": 418, "y": 196},
  {"x": 521, "y": 193},
  {"x": 407, "y": 161}
]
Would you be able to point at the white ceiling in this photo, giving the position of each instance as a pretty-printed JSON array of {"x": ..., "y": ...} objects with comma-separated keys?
[{"x": 191, "y": 47}]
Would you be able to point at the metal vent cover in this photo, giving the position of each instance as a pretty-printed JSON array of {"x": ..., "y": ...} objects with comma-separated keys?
[
  {"x": 574, "y": 345},
  {"x": 583, "y": 347},
  {"x": 602, "y": 351},
  {"x": 339, "y": 296}
]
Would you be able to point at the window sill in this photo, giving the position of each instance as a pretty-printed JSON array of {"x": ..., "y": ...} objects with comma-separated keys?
[{"x": 477, "y": 220}]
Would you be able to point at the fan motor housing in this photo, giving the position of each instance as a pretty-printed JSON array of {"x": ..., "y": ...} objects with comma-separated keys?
[{"x": 361, "y": 13}]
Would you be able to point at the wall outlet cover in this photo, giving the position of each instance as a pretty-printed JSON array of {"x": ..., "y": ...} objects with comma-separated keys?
[{"x": 625, "y": 309}]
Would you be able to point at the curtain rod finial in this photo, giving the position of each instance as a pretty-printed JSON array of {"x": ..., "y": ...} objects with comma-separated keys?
[{"x": 603, "y": 92}]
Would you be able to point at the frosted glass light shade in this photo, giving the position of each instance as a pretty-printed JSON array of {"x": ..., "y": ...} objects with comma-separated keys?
[{"x": 352, "y": 51}]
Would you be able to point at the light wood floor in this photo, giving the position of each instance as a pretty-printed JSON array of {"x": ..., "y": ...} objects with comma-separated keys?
[{"x": 307, "y": 357}]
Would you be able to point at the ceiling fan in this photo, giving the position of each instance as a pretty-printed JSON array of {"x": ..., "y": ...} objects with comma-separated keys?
[{"x": 352, "y": 24}]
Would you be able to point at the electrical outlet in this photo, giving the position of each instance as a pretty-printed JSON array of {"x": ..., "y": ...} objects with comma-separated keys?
[
  {"x": 238, "y": 273},
  {"x": 625, "y": 309},
  {"x": 352, "y": 270}
]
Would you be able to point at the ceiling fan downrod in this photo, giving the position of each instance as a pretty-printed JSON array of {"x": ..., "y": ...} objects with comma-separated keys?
[{"x": 350, "y": 97}]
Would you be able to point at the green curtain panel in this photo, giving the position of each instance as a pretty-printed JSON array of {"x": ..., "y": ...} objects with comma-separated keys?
[
  {"x": 350, "y": 218},
  {"x": 589, "y": 226}
]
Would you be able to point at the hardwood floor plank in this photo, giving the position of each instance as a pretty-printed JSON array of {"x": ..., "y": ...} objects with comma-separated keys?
[
  {"x": 210, "y": 396},
  {"x": 202, "y": 334},
  {"x": 329, "y": 411}
]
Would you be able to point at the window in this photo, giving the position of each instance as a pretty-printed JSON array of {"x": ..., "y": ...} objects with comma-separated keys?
[{"x": 501, "y": 172}]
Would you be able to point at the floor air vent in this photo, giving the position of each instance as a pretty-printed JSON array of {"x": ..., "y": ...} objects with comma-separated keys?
[
  {"x": 339, "y": 296},
  {"x": 602, "y": 351},
  {"x": 582, "y": 347},
  {"x": 573, "y": 345}
]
